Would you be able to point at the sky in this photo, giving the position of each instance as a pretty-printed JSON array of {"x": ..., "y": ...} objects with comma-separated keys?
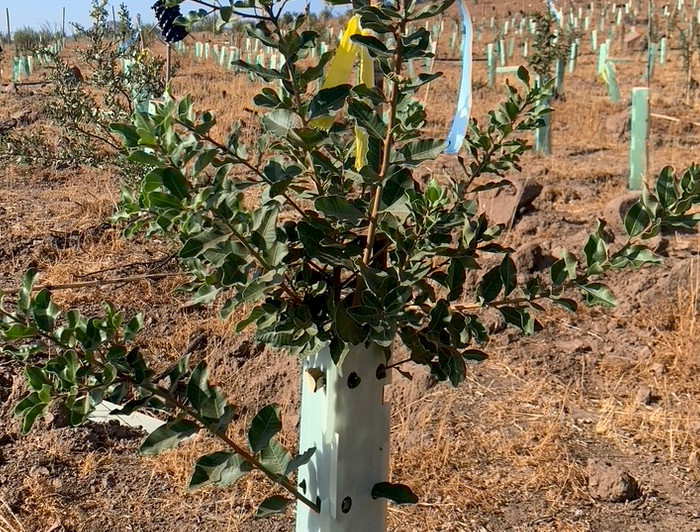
[{"x": 36, "y": 13}]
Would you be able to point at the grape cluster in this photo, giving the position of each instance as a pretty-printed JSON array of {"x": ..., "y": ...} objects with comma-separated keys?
[{"x": 166, "y": 17}]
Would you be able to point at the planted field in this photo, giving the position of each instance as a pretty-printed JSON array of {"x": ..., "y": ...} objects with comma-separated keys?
[{"x": 591, "y": 424}]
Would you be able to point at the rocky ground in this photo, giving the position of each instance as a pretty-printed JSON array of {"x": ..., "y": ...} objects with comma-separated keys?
[{"x": 591, "y": 425}]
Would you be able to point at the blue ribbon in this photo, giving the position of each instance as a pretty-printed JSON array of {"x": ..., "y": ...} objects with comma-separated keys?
[
  {"x": 556, "y": 14},
  {"x": 455, "y": 137}
]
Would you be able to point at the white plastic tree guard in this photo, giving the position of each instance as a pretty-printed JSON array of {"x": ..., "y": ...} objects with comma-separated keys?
[
  {"x": 344, "y": 416},
  {"x": 136, "y": 420}
]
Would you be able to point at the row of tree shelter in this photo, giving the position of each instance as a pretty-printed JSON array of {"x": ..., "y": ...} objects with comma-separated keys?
[{"x": 635, "y": 24}]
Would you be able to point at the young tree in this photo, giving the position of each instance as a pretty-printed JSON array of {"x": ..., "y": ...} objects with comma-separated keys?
[{"x": 345, "y": 254}]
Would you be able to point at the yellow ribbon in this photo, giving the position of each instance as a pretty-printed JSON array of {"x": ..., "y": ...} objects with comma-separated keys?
[{"x": 339, "y": 71}]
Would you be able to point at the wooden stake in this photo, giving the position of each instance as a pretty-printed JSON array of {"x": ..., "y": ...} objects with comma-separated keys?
[
  {"x": 7, "y": 18},
  {"x": 168, "y": 51}
]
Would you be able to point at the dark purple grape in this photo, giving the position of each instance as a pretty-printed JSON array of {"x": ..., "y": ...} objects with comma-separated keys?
[{"x": 166, "y": 17}]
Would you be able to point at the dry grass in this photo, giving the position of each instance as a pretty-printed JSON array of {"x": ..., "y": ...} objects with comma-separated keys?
[
  {"x": 509, "y": 446},
  {"x": 670, "y": 423},
  {"x": 8, "y": 520}
]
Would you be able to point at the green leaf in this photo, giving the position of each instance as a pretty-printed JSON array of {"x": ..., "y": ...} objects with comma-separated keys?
[
  {"x": 346, "y": 327},
  {"x": 598, "y": 294},
  {"x": 278, "y": 123},
  {"x": 568, "y": 304},
  {"x": 128, "y": 133},
  {"x": 272, "y": 506},
  {"x": 36, "y": 378},
  {"x": 275, "y": 457},
  {"x": 523, "y": 75},
  {"x": 18, "y": 332},
  {"x": 201, "y": 242},
  {"x": 367, "y": 314},
  {"x": 45, "y": 312},
  {"x": 206, "y": 399},
  {"x": 666, "y": 188},
  {"x": 221, "y": 468},
  {"x": 558, "y": 272},
  {"x": 398, "y": 493},
  {"x": 368, "y": 119},
  {"x": 175, "y": 182},
  {"x": 490, "y": 285},
  {"x": 24, "y": 296},
  {"x": 32, "y": 406},
  {"x": 167, "y": 436},
  {"x": 475, "y": 354},
  {"x": 266, "y": 74},
  {"x": 225, "y": 13},
  {"x": 133, "y": 327},
  {"x": 520, "y": 318},
  {"x": 418, "y": 151},
  {"x": 374, "y": 46},
  {"x": 78, "y": 409},
  {"x": 145, "y": 158},
  {"x": 257, "y": 313},
  {"x": 299, "y": 460},
  {"x": 268, "y": 97},
  {"x": 595, "y": 250},
  {"x": 639, "y": 256},
  {"x": 432, "y": 10},
  {"x": 328, "y": 100},
  {"x": 264, "y": 426},
  {"x": 163, "y": 200},
  {"x": 636, "y": 220},
  {"x": 439, "y": 315},
  {"x": 570, "y": 263},
  {"x": 254, "y": 290},
  {"x": 337, "y": 207},
  {"x": 508, "y": 273},
  {"x": 204, "y": 159},
  {"x": 456, "y": 276}
]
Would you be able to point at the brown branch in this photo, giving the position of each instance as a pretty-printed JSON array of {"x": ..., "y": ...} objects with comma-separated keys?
[
  {"x": 248, "y": 457},
  {"x": 386, "y": 158}
]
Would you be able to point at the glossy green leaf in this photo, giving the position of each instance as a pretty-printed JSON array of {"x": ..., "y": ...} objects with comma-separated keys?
[
  {"x": 167, "y": 436},
  {"x": 263, "y": 427},
  {"x": 275, "y": 457},
  {"x": 636, "y": 220},
  {"x": 490, "y": 285},
  {"x": 329, "y": 100},
  {"x": 338, "y": 208},
  {"x": 666, "y": 187},
  {"x": 205, "y": 398},
  {"x": 221, "y": 468},
  {"x": 520, "y": 318},
  {"x": 18, "y": 332},
  {"x": 299, "y": 460},
  {"x": 598, "y": 294},
  {"x": 272, "y": 506},
  {"x": 508, "y": 273},
  {"x": 421, "y": 150}
]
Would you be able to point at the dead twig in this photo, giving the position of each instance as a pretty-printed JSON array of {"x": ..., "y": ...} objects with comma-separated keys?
[
  {"x": 152, "y": 264},
  {"x": 96, "y": 282}
]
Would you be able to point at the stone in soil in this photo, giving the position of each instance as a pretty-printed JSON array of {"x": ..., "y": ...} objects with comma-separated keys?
[{"x": 609, "y": 483}]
